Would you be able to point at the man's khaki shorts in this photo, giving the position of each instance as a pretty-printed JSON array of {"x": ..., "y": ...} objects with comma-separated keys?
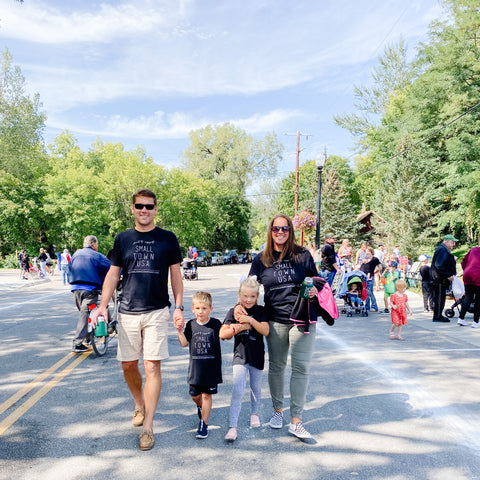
[{"x": 146, "y": 332}]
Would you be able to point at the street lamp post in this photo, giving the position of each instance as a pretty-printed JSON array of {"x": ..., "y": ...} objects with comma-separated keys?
[{"x": 319, "y": 162}]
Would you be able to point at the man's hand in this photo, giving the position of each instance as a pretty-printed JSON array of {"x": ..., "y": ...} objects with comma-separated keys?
[
  {"x": 100, "y": 311},
  {"x": 178, "y": 319}
]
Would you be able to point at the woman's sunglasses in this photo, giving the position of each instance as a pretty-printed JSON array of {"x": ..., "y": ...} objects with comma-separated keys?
[
  {"x": 148, "y": 206},
  {"x": 283, "y": 229}
]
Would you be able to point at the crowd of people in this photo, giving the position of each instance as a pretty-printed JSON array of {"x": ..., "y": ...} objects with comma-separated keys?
[{"x": 144, "y": 258}]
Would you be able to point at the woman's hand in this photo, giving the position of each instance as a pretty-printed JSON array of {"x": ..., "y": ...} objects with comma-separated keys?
[{"x": 313, "y": 292}]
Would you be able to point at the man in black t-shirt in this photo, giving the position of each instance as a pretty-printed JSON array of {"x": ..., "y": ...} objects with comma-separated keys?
[
  {"x": 144, "y": 256},
  {"x": 329, "y": 263}
]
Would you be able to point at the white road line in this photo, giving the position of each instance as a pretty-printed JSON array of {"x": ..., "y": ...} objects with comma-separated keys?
[
  {"x": 464, "y": 430},
  {"x": 33, "y": 300}
]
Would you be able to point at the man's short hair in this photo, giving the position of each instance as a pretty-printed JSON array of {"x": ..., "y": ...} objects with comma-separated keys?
[
  {"x": 89, "y": 240},
  {"x": 329, "y": 235},
  {"x": 144, "y": 192}
]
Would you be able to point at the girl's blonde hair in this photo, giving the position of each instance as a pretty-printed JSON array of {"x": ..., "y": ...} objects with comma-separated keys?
[
  {"x": 400, "y": 285},
  {"x": 249, "y": 282}
]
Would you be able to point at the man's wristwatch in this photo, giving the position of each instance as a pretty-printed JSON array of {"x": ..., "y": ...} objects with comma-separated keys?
[{"x": 180, "y": 307}]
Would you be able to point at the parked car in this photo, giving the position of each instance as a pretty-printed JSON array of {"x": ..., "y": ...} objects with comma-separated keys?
[
  {"x": 217, "y": 258},
  {"x": 204, "y": 258},
  {"x": 230, "y": 256},
  {"x": 245, "y": 257}
]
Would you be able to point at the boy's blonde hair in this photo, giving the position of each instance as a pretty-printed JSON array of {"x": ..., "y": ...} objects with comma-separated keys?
[
  {"x": 249, "y": 282},
  {"x": 400, "y": 285},
  {"x": 203, "y": 297}
]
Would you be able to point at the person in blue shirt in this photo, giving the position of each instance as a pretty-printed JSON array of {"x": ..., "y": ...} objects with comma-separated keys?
[{"x": 88, "y": 269}]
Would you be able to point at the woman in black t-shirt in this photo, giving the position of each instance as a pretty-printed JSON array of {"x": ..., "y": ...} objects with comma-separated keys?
[
  {"x": 281, "y": 268},
  {"x": 368, "y": 266}
]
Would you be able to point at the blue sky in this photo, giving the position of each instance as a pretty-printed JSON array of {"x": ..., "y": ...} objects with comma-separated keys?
[{"x": 148, "y": 72}]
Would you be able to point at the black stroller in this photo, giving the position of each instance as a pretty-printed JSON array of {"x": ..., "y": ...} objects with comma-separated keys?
[
  {"x": 354, "y": 298},
  {"x": 450, "y": 312},
  {"x": 190, "y": 271}
]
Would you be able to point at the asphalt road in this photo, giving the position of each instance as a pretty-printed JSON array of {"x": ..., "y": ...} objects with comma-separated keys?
[{"x": 377, "y": 409}]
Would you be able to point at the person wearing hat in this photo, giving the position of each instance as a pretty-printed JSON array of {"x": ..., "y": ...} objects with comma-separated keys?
[
  {"x": 329, "y": 263},
  {"x": 442, "y": 271},
  {"x": 426, "y": 283}
]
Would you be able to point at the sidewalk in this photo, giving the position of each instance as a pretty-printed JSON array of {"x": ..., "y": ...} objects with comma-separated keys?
[{"x": 10, "y": 280}]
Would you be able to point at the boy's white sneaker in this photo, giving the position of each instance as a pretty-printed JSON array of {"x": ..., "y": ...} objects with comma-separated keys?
[
  {"x": 475, "y": 325},
  {"x": 462, "y": 322}
]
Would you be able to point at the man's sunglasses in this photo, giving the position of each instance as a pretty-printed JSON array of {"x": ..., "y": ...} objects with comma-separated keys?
[
  {"x": 148, "y": 206},
  {"x": 286, "y": 228}
]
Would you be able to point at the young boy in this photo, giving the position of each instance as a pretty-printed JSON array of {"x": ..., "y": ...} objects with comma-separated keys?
[
  {"x": 390, "y": 276},
  {"x": 205, "y": 366}
]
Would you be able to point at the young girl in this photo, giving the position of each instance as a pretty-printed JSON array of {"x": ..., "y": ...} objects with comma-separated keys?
[
  {"x": 248, "y": 354},
  {"x": 399, "y": 304}
]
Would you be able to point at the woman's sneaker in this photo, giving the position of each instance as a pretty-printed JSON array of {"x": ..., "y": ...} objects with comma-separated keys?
[
  {"x": 298, "y": 430},
  {"x": 277, "y": 420},
  {"x": 462, "y": 322}
]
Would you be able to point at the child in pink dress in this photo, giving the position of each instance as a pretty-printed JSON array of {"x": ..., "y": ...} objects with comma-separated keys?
[{"x": 399, "y": 307}]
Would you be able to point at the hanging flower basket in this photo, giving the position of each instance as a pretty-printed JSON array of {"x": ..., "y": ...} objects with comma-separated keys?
[{"x": 304, "y": 222}]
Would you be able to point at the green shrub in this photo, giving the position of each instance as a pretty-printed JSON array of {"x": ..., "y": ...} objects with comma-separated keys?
[{"x": 10, "y": 261}]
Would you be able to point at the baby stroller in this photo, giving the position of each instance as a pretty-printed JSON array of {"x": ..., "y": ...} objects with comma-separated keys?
[
  {"x": 190, "y": 271},
  {"x": 459, "y": 295},
  {"x": 353, "y": 291}
]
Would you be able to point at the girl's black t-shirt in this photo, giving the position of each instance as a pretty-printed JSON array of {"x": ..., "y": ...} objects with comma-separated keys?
[{"x": 248, "y": 345}]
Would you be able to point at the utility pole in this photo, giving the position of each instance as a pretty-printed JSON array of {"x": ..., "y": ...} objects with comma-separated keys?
[{"x": 297, "y": 165}]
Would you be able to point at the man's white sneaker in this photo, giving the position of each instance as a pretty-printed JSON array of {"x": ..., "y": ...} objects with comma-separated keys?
[
  {"x": 298, "y": 430},
  {"x": 475, "y": 325},
  {"x": 462, "y": 322}
]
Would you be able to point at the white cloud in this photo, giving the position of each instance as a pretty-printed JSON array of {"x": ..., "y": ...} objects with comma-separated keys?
[
  {"x": 176, "y": 125},
  {"x": 40, "y": 22},
  {"x": 200, "y": 49}
]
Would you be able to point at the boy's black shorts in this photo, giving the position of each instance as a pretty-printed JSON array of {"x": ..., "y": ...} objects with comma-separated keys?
[{"x": 196, "y": 390}]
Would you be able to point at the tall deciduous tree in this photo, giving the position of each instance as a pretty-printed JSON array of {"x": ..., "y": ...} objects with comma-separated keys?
[
  {"x": 22, "y": 162},
  {"x": 232, "y": 160}
]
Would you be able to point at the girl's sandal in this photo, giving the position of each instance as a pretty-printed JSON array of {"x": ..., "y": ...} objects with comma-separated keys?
[
  {"x": 400, "y": 338},
  {"x": 393, "y": 336}
]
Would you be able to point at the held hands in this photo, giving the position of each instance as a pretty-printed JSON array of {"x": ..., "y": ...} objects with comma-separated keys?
[
  {"x": 179, "y": 323},
  {"x": 313, "y": 292}
]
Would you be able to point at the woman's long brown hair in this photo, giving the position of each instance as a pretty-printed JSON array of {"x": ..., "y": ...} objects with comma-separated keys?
[{"x": 290, "y": 248}]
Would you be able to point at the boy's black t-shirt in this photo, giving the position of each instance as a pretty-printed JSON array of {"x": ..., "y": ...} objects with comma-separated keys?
[
  {"x": 282, "y": 283},
  {"x": 205, "y": 366},
  {"x": 145, "y": 259},
  {"x": 248, "y": 345}
]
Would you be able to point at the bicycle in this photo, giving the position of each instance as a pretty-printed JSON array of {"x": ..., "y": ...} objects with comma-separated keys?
[{"x": 100, "y": 343}]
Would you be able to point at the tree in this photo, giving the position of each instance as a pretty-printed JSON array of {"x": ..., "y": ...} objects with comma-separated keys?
[
  {"x": 340, "y": 202},
  {"x": 22, "y": 162},
  {"x": 392, "y": 74},
  {"x": 232, "y": 160}
]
